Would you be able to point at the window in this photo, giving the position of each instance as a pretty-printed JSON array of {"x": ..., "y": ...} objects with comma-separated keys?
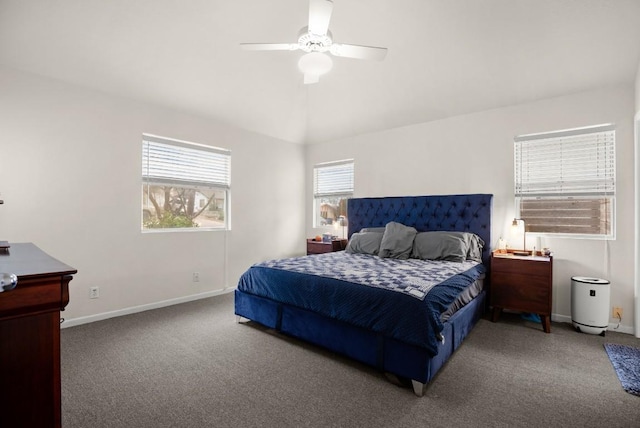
[
  {"x": 565, "y": 181},
  {"x": 332, "y": 186},
  {"x": 184, "y": 185}
]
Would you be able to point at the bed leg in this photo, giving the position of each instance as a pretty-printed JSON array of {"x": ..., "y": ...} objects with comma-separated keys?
[
  {"x": 238, "y": 319},
  {"x": 418, "y": 387}
]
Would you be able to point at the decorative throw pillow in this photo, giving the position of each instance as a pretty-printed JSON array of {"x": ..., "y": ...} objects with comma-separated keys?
[{"x": 397, "y": 241}]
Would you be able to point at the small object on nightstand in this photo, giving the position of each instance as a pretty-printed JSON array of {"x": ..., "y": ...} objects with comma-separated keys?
[{"x": 502, "y": 246}]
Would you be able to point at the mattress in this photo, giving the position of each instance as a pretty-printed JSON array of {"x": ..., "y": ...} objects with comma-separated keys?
[{"x": 401, "y": 299}]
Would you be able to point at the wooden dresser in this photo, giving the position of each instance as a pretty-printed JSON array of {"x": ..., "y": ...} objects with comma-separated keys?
[{"x": 30, "y": 337}]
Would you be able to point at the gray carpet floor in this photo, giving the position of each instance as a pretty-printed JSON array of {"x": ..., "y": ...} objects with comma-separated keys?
[{"x": 192, "y": 365}]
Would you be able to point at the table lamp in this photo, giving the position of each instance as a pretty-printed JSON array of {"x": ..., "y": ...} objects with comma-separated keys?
[
  {"x": 343, "y": 223},
  {"x": 514, "y": 224}
]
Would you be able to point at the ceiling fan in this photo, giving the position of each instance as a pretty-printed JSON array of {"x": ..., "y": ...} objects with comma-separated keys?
[{"x": 316, "y": 40}]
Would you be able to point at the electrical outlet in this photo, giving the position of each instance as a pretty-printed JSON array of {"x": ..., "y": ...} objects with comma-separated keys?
[
  {"x": 617, "y": 312},
  {"x": 94, "y": 292},
  {"x": 196, "y": 277}
]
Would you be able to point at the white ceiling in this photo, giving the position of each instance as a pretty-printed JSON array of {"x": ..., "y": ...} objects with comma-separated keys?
[{"x": 445, "y": 58}]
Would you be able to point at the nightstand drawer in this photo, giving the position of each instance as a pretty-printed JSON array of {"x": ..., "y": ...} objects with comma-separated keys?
[
  {"x": 318, "y": 247},
  {"x": 511, "y": 265},
  {"x": 521, "y": 292}
]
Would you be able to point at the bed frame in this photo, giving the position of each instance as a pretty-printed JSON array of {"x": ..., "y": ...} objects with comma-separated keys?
[{"x": 467, "y": 213}]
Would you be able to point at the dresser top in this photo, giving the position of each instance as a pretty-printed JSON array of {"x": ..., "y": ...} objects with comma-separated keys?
[{"x": 27, "y": 260}]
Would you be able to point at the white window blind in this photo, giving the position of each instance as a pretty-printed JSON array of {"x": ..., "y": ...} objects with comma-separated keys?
[
  {"x": 332, "y": 179},
  {"x": 565, "y": 180},
  {"x": 178, "y": 163}
]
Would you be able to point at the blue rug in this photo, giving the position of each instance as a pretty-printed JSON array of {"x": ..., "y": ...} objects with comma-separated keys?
[{"x": 626, "y": 362}]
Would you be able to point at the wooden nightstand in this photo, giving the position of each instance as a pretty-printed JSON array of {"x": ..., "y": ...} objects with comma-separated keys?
[
  {"x": 317, "y": 247},
  {"x": 522, "y": 283}
]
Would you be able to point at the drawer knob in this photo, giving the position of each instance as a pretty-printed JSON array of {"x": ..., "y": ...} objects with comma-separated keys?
[{"x": 8, "y": 281}]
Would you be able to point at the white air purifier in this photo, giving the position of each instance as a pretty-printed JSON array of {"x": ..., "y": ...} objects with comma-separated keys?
[{"x": 590, "y": 304}]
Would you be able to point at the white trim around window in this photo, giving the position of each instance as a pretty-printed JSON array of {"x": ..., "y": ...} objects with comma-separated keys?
[
  {"x": 565, "y": 181},
  {"x": 185, "y": 186}
]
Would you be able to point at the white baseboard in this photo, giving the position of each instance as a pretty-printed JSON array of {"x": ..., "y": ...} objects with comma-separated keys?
[
  {"x": 612, "y": 327},
  {"x": 134, "y": 309}
]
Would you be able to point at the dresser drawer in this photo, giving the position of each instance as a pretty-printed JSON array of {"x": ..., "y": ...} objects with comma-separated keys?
[{"x": 32, "y": 297}]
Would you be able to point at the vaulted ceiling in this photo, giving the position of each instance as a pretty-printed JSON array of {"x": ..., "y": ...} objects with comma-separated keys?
[{"x": 445, "y": 57}]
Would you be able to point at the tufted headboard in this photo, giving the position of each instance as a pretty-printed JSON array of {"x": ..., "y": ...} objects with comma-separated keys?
[{"x": 464, "y": 213}]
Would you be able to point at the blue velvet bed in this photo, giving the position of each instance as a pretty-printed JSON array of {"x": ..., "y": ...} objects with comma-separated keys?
[{"x": 401, "y": 357}]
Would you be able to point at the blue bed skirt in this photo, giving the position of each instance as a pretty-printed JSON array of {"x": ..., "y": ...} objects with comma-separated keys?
[{"x": 374, "y": 349}]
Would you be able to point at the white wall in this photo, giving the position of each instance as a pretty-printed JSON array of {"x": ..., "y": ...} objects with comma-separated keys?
[
  {"x": 70, "y": 175},
  {"x": 638, "y": 90},
  {"x": 637, "y": 180},
  {"x": 474, "y": 154}
]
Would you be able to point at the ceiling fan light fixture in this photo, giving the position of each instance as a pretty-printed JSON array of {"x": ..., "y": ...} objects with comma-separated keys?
[
  {"x": 310, "y": 42},
  {"x": 315, "y": 64},
  {"x": 316, "y": 40}
]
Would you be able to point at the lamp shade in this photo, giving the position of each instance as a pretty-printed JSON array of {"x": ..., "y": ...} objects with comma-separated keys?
[
  {"x": 313, "y": 65},
  {"x": 514, "y": 226}
]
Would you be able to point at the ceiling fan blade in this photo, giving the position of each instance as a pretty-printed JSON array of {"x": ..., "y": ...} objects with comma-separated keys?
[
  {"x": 310, "y": 78},
  {"x": 319, "y": 16},
  {"x": 359, "y": 52},
  {"x": 269, "y": 46}
]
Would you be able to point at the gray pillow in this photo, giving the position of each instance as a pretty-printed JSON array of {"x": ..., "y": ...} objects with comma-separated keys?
[
  {"x": 397, "y": 241},
  {"x": 364, "y": 243},
  {"x": 446, "y": 245},
  {"x": 476, "y": 244},
  {"x": 373, "y": 229}
]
